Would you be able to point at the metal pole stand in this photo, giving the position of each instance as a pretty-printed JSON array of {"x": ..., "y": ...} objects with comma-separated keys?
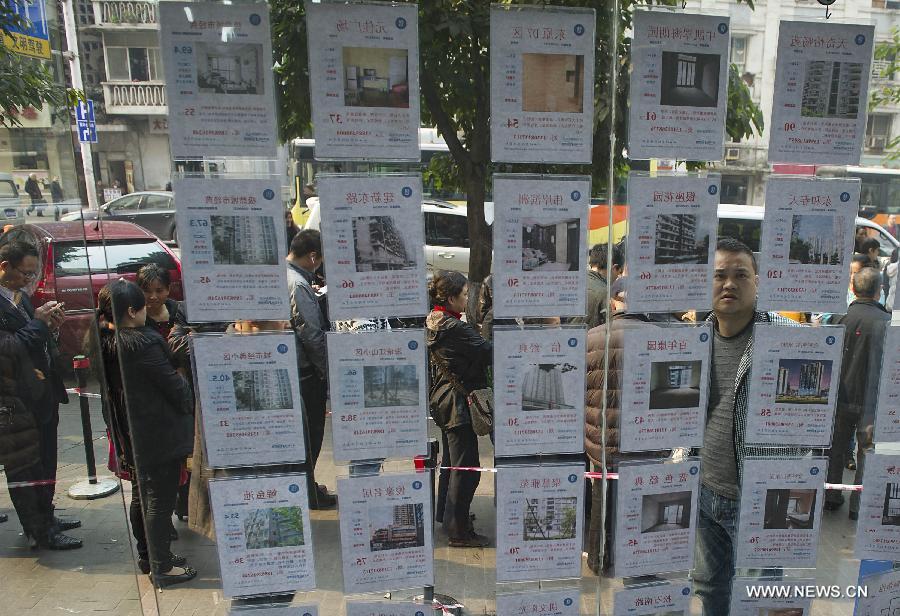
[{"x": 94, "y": 487}]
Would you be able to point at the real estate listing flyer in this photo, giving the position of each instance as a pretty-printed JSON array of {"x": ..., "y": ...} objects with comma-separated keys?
[
  {"x": 539, "y": 390},
  {"x": 679, "y": 86},
  {"x": 781, "y": 512},
  {"x": 671, "y": 242},
  {"x": 887, "y": 418},
  {"x": 883, "y": 594},
  {"x": 263, "y": 534},
  {"x": 656, "y": 516},
  {"x": 249, "y": 393},
  {"x": 758, "y": 597},
  {"x": 540, "y": 522},
  {"x": 878, "y": 529},
  {"x": 669, "y": 599},
  {"x": 542, "y": 84},
  {"x": 545, "y": 602},
  {"x": 364, "y": 80},
  {"x": 231, "y": 233},
  {"x": 387, "y": 608},
  {"x": 373, "y": 237},
  {"x": 819, "y": 110},
  {"x": 665, "y": 386},
  {"x": 808, "y": 237},
  {"x": 378, "y": 383},
  {"x": 219, "y": 89},
  {"x": 793, "y": 389},
  {"x": 540, "y": 245},
  {"x": 386, "y": 541},
  {"x": 282, "y": 610}
]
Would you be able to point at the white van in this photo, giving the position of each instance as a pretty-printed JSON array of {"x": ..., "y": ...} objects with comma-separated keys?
[{"x": 744, "y": 222}]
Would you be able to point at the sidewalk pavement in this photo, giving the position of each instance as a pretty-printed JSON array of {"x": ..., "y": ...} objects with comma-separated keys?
[{"x": 101, "y": 578}]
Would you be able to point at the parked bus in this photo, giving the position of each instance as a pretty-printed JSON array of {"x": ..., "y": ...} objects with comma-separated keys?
[{"x": 880, "y": 192}]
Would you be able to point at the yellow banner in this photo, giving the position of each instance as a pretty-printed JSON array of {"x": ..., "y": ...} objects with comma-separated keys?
[{"x": 27, "y": 45}]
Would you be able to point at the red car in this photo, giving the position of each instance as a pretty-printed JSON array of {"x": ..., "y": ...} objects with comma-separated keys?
[{"x": 73, "y": 267}]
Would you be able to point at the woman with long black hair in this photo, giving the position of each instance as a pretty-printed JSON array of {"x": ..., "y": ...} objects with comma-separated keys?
[
  {"x": 148, "y": 408},
  {"x": 459, "y": 359}
]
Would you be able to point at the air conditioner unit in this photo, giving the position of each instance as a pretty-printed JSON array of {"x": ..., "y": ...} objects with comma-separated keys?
[{"x": 732, "y": 153}]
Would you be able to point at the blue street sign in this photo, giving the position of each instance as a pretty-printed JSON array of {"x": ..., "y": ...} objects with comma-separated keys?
[
  {"x": 33, "y": 39},
  {"x": 85, "y": 111},
  {"x": 87, "y": 132}
]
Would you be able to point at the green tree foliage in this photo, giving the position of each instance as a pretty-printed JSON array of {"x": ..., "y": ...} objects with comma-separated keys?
[
  {"x": 26, "y": 82},
  {"x": 455, "y": 88},
  {"x": 885, "y": 91}
]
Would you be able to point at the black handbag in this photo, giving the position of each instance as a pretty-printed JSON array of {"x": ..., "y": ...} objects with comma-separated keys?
[
  {"x": 479, "y": 401},
  {"x": 19, "y": 437}
]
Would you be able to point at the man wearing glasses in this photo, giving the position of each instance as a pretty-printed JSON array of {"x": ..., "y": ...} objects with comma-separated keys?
[{"x": 32, "y": 486}]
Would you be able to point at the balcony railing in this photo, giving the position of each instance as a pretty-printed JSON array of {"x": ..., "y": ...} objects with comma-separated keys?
[
  {"x": 125, "y": 13},
  {"x": 135, "y": 98}
]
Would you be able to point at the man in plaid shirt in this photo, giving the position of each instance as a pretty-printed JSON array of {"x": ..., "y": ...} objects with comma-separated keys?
[{"x": 733, "y": 317}]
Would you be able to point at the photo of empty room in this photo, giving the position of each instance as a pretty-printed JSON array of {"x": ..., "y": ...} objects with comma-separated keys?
[
  {"x": 375, "y": 77},
  {"x": 276, "y": 527},
  {"x": 785, "y": 508},
  {"x": 817, "y": 240},
  {"x": 689, "y": 79},
  {"x": 803, "y": 381},
  {"x": 890, "y": 516},
  {"x": 390, "y": 386},
  {"x": 244, "y": 240},
  {"x": 546, "y": 519},
  {"x": 262, "y": 390},
  {"x": 680, "y": 240},
  {"x": 781, "y": 611},
  {"x": 396, "y": 527},
  {"x": 544, "y": 387},
  {"x": 675, "y": 384},
  {"x": 661, "y": 512},
  {"x": 832, "y": 89},
  {"x": 551, "y": 246},
  {"x": 229, "y": 68},
  {"x": 379, "y": 245},
  {"x": 552, "y": 82}
]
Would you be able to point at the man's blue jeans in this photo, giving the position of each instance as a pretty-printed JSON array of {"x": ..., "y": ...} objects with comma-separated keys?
[{"x": 714, "y": 554}]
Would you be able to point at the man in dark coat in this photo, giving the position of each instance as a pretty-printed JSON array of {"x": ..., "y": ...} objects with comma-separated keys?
[
  {"x": 865, "y": 324},
  {"x": 35, "y": 330}
]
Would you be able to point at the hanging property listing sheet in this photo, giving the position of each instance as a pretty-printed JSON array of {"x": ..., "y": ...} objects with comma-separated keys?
[
  {"x": 232, "y": 239},
  {"x": 671, "y": 242},
  {"x": 878, "y": 530},
  {"x": 793, "y": 391},
  {"x": 387, "y": 608},
  {"x": 807, "y": 242},
  {"x": 263, "y": 534},
  {"x": 542, "y": 84},
  {"x": 679, "y": 86},
  {"x": 883, "y": 597},
  {"x": 665, "y": 386},
  {"x": 819, "y": 110},
  {"x": 219, "y": 87},
  {"x": 249, "y": 392},
  {"x": 540, "y": 522},
  {"x": 758, "y": 597},
  {"x": 281, "y": 610},
  {"x": 540, "y": 245},
  {"x": 781, "y": 512},
  {"x": 656, "y": 517},
  {"x": 386, "y": 541},
  {"x": 373, "y": 237},
  {"x": 546, "y": 602},
  {"x": 378, "y": 384},
  {"x": 539, "y": 390},
  {"x": 660, "y": 599},
  {"x": 364, "y": 80},
  {"x": 887, "y": 418}
]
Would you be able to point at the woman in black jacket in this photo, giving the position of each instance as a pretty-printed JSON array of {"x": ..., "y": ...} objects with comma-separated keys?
[
  {"x": 459, "y": 359},
  {"x": 148, "y": 408},
  {"x": 162, "y": 312}
]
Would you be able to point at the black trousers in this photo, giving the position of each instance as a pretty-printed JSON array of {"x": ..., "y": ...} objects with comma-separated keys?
[
  {"x": 154, "y": 496},
  {"x": 33, "y": 498},
  {"x": 313, "y": 390},
  {"x": 457, "y": 488},
  {"x": 845, "y": 425}
]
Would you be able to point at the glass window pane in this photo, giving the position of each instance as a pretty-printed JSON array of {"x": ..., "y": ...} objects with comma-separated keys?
[
  {"x": 139, "y": 64},
  {"x": 117, "y": 64},
  {"x": 124, "y": 257}
]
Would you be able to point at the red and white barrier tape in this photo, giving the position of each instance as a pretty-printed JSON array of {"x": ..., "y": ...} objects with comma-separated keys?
[{"x": 83, "y": 394}]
